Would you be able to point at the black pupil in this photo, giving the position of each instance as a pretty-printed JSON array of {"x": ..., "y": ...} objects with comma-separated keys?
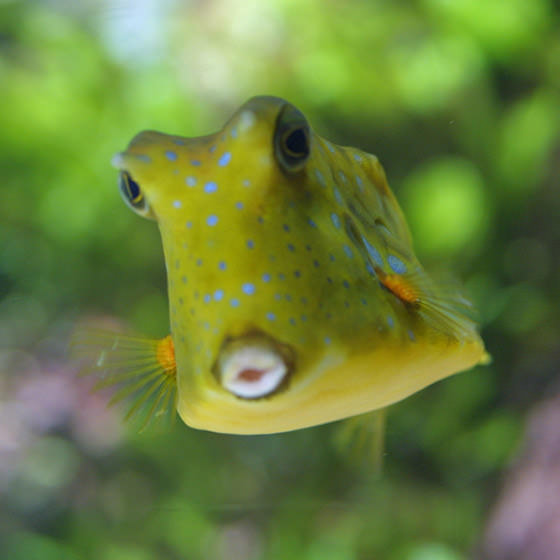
[
  {"x": 131, "y": 189},
  {"x": 296, "y": 142}
]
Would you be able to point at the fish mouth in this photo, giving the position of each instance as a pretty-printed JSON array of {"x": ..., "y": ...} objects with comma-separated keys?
[{"x": 254, "y": 365}]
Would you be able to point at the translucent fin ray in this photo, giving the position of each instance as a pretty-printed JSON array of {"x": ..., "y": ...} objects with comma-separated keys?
[
  {"x": 446, "y": 309},
  {"x": 133, "y": 366},
  {"x": 364, "y": 437}
]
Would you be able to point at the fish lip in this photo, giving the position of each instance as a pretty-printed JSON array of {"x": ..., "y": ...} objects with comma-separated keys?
[{"x": 254, "y": 365}]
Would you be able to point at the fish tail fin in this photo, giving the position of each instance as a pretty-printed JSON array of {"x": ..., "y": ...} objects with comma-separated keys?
[
  {"x": 143, "y": 370},
  {"x": 363, "y": 436}
]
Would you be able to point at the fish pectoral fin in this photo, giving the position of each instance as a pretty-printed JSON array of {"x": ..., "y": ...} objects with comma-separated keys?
[
  {"x": 440, "y": 303},
  {"x": 363, "y": 439},
  {"x": 142, "y": 369}
]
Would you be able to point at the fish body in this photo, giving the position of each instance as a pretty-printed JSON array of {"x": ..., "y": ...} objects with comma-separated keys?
[{"x": 295, "y": 296}]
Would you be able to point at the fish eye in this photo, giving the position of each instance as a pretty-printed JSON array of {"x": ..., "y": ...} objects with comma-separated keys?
[
  {"x": 291, "y": 140},
  {"x": 132, "y": 194}
]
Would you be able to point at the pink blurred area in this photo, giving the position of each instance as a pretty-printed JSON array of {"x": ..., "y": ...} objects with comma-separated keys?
[
  {"x": 525, "y": 522},
  {"x": 48, "y": 399}
]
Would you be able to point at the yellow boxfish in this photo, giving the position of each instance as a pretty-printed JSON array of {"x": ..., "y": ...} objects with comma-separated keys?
[{"x": 295, "y": 296}]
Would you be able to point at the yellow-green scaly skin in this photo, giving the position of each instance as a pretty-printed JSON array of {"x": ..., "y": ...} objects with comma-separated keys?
[{"x": 251, "y": 248}]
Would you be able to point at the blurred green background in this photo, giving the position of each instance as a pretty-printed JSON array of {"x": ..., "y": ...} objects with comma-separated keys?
[{"x": 459, "y": 100}]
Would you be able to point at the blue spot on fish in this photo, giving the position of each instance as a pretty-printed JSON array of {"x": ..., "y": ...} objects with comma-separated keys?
[
  {"x": 225, "y": 158},
  {"x": 397, "y": 266},
  {"x": 248, "y": 288},
  {"x": 266, "y": 277},
  {"x": 195, "y": 162},
  {"x": 270, "y": 316},
  {"x": 373, "y": 252},
  {"x": 337, "y": 195},
  {"x": 234, "y": 302},
  {"x": 170, "y": 155},
  {"x": 212, "y": 220},
  {"x": 320, "y": 178},
  {"x": 210, "y": 187},
  {"x": 218, "y": 295},
  {"x": 191, "y": 181},
  {"x": 335, "y": 220},
  {"x": 222, "y": 265}
]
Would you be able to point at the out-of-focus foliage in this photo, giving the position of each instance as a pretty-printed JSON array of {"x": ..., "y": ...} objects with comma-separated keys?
[{"x": 460, "y": 101}]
